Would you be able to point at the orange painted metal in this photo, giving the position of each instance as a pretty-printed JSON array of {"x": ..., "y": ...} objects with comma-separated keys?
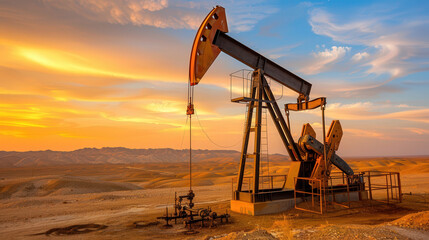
[
  {"x": 203, "y": 51},
  {"x": 308, "y": 130},
  {"x": 333, "y": 140},
  {"x": 306, "y": 105}
]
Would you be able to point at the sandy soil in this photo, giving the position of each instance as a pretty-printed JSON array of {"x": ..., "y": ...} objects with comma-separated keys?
[{"x": 34, "y": 200}]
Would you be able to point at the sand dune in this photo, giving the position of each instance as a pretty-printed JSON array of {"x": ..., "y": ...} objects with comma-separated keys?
[
  {"x": 416, "y": 164},
  {"x": 59, "y": 186},
  {"x": 77, "y": 179},
  {"x": 35, "y": 199},
  {"x": 117, "y": 155}
]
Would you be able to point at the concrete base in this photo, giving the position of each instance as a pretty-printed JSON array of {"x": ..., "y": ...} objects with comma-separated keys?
[
  {"x": 354, "y": 196},
  {"x": 261, "y": 208},
  {"x": 342, "y": 197},
  {"x": 363, "y": 195}
]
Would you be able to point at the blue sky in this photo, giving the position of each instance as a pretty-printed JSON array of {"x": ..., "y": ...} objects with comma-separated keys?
[
  {"x": 369, "y": 58},
  {"x": 114, "y": 73}
]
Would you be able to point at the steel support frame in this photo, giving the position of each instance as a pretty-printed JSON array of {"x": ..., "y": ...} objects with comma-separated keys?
[
  {"x": 261, "y": 93},
  {"x": 256, "y": 61}
]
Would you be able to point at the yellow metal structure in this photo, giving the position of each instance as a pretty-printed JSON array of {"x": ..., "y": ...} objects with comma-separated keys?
[
  {"x": 306, "y": 105},
  {"x": 333, "y": 139},
  {"x": 310, "y": 158},
  {"x": 308, "y": 130},
  {"x": 203, "y": 51},
  {"x": 292, "y": 174}
]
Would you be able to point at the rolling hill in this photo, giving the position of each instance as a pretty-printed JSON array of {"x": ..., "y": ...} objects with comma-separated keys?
[{"x": 118, "y": 155}]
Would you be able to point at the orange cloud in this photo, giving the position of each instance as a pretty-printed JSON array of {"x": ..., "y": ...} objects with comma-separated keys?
[
  {"x": 74, "y": 82},
  {"x": 136, "y": 12},
  {"x": 418, "y": 131},
  {"x": 72, "y": 63},
  {"x": 66, "y": 62},
  {"x": 365, "y": 133}
]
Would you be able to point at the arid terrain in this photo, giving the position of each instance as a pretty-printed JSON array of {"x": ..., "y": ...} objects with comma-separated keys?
[{"x": 35, "y": 198}]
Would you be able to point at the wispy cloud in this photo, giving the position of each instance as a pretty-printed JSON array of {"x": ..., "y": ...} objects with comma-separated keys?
[
  {"x": 359, "y": 56},
  {"x": 323, "y": 59},
  {"x": 373, "y": 134},
  {"x": 157, "y": 13},
  {"x": 364, "y": 133},
  {"x": 242, "y": 15},
  {"x": 98, "y": 73},
  {"x": 420, "y": 115},
  {"x": 394, "y": 49},
  {"x": 419, "y": 131}
]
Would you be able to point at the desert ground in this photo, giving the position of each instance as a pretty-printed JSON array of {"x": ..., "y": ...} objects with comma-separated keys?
[{"x": 34, "y": 200}]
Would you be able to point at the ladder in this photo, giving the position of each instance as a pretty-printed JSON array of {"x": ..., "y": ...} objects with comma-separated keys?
[{"x": 265, "y": 161}]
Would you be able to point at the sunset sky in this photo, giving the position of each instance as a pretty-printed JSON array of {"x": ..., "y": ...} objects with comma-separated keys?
[{"x": 96, "y": 73}]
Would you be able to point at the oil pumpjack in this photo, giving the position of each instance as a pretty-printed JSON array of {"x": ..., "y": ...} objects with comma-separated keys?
[{"x": 311, "y": 158}]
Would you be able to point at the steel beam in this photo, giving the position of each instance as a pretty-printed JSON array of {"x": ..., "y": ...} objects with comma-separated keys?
[
  {"x": 257, "y": 79},
  {"x": 245, "y": 141},
  {"x": 295, "y": 153},
  {"x": 276, "y": 121},
  {"x": 315, "y": 103},
  {"x": 255, "y": 60}
]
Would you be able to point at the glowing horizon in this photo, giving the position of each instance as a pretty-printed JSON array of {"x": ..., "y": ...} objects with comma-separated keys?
[{"x": 74, "y": 77}]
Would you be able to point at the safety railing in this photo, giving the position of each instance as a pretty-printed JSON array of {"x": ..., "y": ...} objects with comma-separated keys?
[
  {"x": 240, "y": 83},
  {"x": 383, "y": 186},
  {"x": 266, "y": 182},
  {"x": 317, "y": 194}
]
